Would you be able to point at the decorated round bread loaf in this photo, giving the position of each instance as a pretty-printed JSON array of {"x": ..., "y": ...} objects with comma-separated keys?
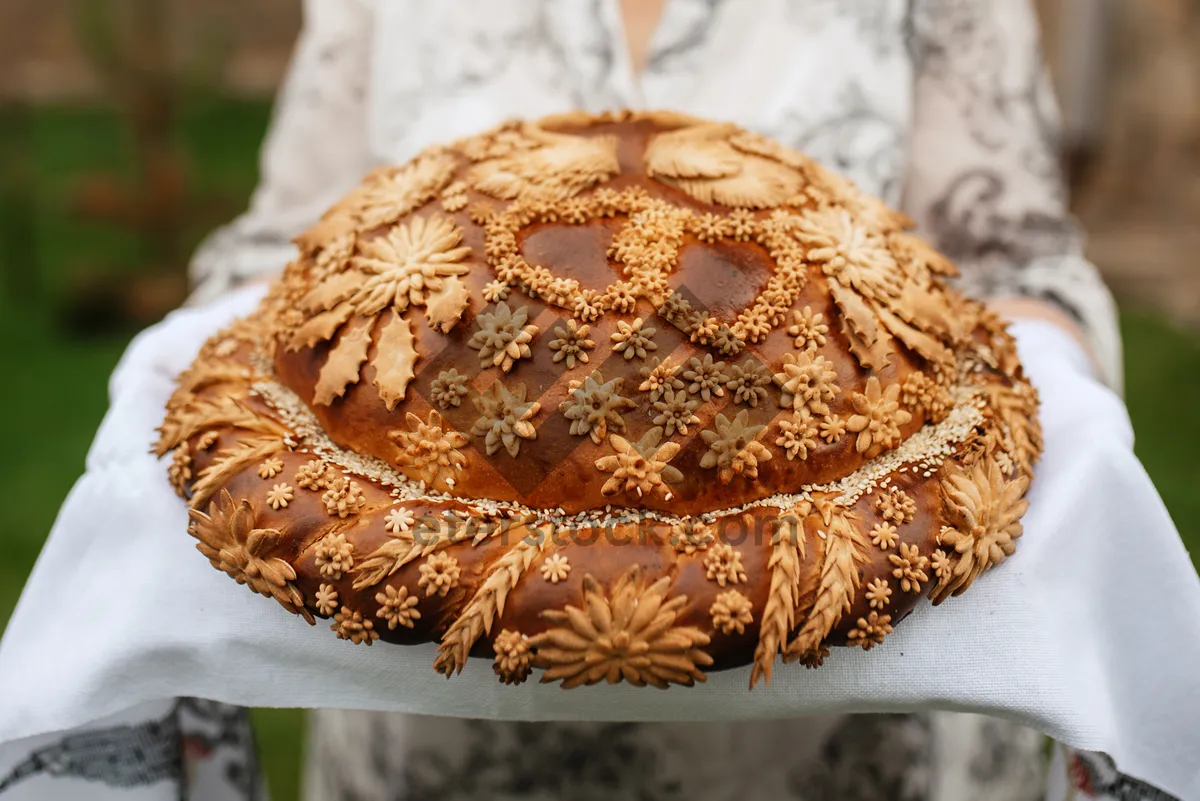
[{"x": 629, "y": 397}]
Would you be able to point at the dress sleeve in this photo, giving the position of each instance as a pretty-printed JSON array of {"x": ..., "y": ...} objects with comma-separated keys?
[
  {"x": 984, "y": 181},
  {"x": 315, "y": 149}
]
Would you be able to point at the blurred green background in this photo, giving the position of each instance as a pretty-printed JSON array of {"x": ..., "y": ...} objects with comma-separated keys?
[
  {"x": 106, "y": 189},
  {"x": 56, "y": 372}
]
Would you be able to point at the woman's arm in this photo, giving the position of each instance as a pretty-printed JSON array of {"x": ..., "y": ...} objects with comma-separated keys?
[
  {"x": 984, "y": 182},
  {"x": 315, "y": 150}
]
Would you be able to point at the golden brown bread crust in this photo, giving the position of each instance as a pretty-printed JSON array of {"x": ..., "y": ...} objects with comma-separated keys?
[{"x": 621, "y": 397}]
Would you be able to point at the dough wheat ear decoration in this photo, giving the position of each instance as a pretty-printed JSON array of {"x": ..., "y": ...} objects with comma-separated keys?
[
  {"x": 844, "y": 548},
  {"x": 487, "y": 604},
  {"x": 783, "y": 596},
  {"x": 617, "y": 398}
]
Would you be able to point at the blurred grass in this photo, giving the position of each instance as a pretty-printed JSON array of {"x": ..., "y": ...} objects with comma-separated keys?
[
  {"x": 1162, "y": 377},
  {"x": 55, "y": 388}
]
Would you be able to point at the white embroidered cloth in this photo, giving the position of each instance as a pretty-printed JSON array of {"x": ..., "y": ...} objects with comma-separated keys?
[{"x": 1091, "y": 632}]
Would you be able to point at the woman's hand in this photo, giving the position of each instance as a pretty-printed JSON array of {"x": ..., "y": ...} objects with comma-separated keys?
[{"x": 1018, "y": 308}]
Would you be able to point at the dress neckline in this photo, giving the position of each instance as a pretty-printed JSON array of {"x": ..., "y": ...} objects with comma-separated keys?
[{"x": 632, "y": 83}]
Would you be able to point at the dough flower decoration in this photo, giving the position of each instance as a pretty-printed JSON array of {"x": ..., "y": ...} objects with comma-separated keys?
[
  {"x": 985, "y": 510},
  {"x": 349, "y": 624},
  {"x": 870, "y": 630},
  {"x": 556, "y": 568},
  {"x": 850, "y": 253},
  {"x": 732, "y": 612},
  {"x": 733, "y": 447},
  {"x": 634, "y": 339},
  {"x": 397, "y": 607},
  {"x": 504, "y": 417},
  {"x": 640, "y": 469},
  {"x": 878, "y": 416},
  {"x": 449, "y": 388},
  {"x": 594, "y": 407},
  {"x": 660, "y": 375},
  {"x": 808, "y": 329},
  {"x": 748, "y": 383},
  {"x": 334, "y": 555},
  {"x": 234, "y": 544},
  {"x": 429, "y": 451},
  {"x": 629, "y": 633},
  {"x": 706, "y": 376},
  {"x": 417, "y": 264},
  {"x": 676, "y": 411},
  {"x": 807, "y": 381},
  {"x": 723, "y": 565},
  {"x": 571, "y": 344},
  {"x": 896, "y": 506},
  {"x": 514, "y": 657},
  {"x": 798, "y": 435},
  {"x": 503, "y": 337}
]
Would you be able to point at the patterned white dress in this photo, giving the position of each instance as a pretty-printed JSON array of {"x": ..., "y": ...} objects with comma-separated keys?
[{"x": 941, "y": 107}]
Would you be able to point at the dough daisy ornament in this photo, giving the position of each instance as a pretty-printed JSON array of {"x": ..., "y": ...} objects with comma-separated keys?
[{"x": 631, "y": 397}]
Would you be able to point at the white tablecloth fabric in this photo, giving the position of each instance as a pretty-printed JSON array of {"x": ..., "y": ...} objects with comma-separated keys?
[{"x": 1091, "y": 632}]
